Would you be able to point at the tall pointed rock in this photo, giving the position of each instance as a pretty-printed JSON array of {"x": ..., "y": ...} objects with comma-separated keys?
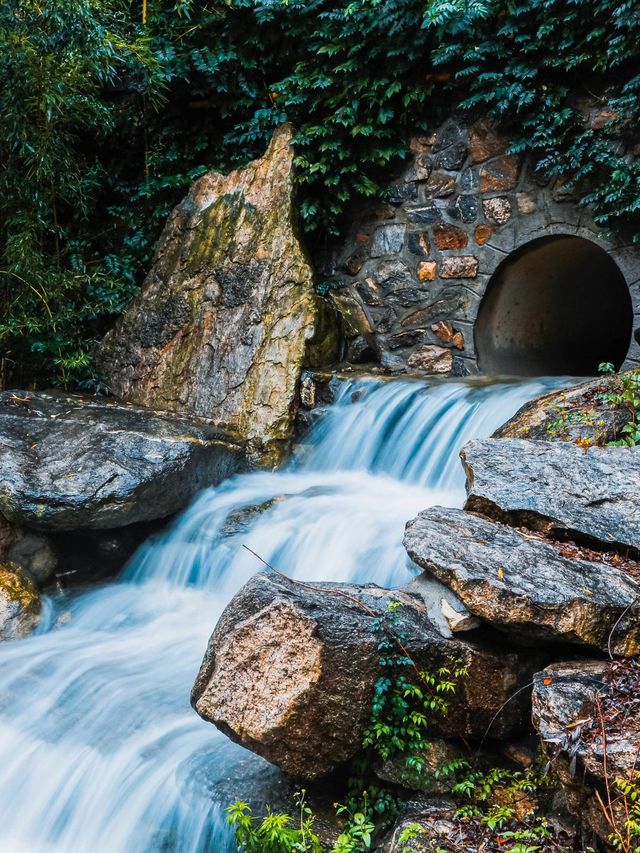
[{"x": 227, "y": 315}]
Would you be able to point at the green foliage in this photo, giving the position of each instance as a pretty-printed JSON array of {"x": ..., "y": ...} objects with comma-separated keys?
[
  {"x": 281, "y": 833},
  {"x": 106, "y": 119},
  {"x": 627, "y": 836},
  {"x": 626, "y": 396},
  {"x": 350, "y": 76},
  {"x": 405, "y": 697},
  {"x": 536, "y": 65},
  {"x": 274, "y": 833},
  {"x": 354, "y": 96},
  {"x": 57, "y": 62}
]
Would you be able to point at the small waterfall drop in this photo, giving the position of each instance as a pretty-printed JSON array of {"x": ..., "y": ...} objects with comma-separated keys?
[{"x": 99, "y": 748}]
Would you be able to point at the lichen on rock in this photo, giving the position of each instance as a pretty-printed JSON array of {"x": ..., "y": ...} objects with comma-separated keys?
[{"x": 228, "y": 315}]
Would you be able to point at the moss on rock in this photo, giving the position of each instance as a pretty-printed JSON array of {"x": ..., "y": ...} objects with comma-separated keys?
[
  {"x": 228, "y": 316},
  {"x": 20, "y": 603}
]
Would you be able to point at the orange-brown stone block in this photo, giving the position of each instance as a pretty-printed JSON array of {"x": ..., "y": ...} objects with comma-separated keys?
[
  {"x": 450, "y": 237},
  {"x": 427, "y": 270},
  {"x": 485, "y": 143},
  {"x": 483, "y": 234}
]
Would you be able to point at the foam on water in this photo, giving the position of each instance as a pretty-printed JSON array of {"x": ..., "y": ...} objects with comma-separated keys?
[{"x": 99, "y": 748}]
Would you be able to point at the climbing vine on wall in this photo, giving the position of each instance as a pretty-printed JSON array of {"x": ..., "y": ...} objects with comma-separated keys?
[
  {"x": 109, "y": 110},
  {"x": 563, "y": 76}
]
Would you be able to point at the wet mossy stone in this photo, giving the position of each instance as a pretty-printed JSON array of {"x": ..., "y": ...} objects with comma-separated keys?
[
  {"x": 228, "y": 315},
  {"x": 19, "y": 603}
]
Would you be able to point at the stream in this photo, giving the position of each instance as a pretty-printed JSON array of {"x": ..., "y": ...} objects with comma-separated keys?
[{"x": 99, "y": 748}]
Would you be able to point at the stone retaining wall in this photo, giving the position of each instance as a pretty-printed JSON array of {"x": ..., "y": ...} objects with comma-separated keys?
[{"x": 413, "y": 270}]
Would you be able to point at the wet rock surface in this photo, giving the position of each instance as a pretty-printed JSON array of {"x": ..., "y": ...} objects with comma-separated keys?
[
  {"x": 524, "y": 585},
  {"x": 32, "y": 551},
  {"x": 290, "y": 672},
  {"x": 69, "y": 462},
  {"x": 19, "y": 603},
  {"x": 227, "y": 316},
  {"x": 558, "y": 488}
]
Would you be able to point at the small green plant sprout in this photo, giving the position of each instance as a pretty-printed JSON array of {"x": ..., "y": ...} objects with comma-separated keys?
[
  {"x": 413, "y": 832},
  {"x": 625, "y": 835},
  {"x": 274, "y": 833},
  {"x": 358, "y": 831}
]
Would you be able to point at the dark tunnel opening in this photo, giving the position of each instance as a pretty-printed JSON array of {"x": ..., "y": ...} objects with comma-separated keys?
[{"x": 556, "y": 306}]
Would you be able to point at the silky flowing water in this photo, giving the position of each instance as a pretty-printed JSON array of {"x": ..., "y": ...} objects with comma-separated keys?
[{"x": 100, "y": 751}]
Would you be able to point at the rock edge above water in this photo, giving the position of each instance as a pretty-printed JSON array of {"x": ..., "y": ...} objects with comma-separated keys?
[
  {"x": 558, "y": 488},
  {"x": 524, "y": 585},
  {"x": 291, "y": 668},
  {"x": 69, "y": 462}
]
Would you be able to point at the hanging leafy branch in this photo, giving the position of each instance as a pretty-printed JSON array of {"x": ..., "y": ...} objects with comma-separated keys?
[{"x": 563, "y": 76}]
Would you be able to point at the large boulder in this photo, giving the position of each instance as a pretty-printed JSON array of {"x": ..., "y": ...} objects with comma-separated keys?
[
  {"x": 577, "y": 413},
  {"x": 290, "y": 672},
  {"x": 524, "y": 585},
  {"x": 69, "y": 462},
  {"x": 19, "y": 603},
  {"x": 563, "y": 490},
  {"x": 227, "y": 316},
  {"x": 582, "y": 711}
]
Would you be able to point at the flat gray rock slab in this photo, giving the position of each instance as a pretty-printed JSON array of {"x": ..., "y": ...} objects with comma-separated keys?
[
  {"x": 558, "y": 488},
  {"x": 70, "y": 462},
  {"x": 523, "y": 584}
]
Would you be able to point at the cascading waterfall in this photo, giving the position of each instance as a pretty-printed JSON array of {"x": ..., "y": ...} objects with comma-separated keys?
[{"x": 99, "y": 748}]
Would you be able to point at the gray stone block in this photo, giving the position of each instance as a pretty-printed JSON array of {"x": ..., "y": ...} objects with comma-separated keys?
[{"x": 387, "y": 240}]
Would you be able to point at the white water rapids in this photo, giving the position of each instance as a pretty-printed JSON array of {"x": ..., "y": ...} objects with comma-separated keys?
[{"x": 100, "y": 751}]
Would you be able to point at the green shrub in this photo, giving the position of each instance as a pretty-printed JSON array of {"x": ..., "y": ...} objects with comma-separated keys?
[
  {"x": 105, "y": 120},
  {"x": 58, "y": 61}
]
